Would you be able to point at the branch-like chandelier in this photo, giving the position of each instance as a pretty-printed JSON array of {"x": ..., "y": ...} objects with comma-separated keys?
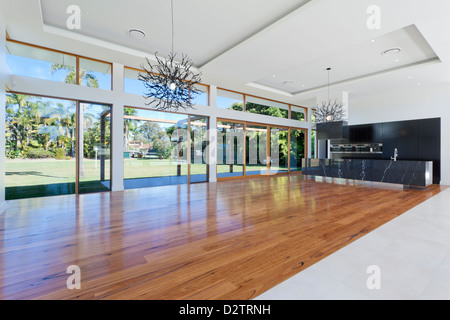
[
  {"x": 170, "y": 84},
  {"x": 329, "y": 111}
]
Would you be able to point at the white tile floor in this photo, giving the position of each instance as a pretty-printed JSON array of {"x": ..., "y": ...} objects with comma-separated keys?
[{"x": 411, "y": 251}]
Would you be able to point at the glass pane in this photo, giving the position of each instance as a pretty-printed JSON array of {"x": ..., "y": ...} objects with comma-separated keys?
[
  {"x": 199, "y": 143},
  {"x": 298, "y": 113},
  {"x": 313, "y": 144},
  {"x": 202, "y": 98},
  {"x": 266, "y": 107},
  {"x": 256, "y": 155},
  {"x": 39, "y": 63},
  {"x": 131, "y": 82},
  {"x": 230, "y": 149},
  {"x": 155, "y": 148},
  {"x": 40, "y": 146},
  {"x": 297, "y": 152},
  {"x": 95, "y": 74},
  {"x": 95, "y": 142},
  {"x": 229, "y": 100},
  {"x": 279, "y": 149}
]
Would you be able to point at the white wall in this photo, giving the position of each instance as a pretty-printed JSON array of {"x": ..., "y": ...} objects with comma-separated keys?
[
  {"x": 2, "y": 112},
  {"x": 419, "y": 103}
]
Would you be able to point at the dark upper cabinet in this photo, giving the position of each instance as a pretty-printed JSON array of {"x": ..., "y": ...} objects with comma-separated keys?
[
  {"x": 401, "y": 129},
  {"x": 359, "y": 134},
  {"x": 376, "y": 133},
  {"x": 367, "y": 133},
  {"x": 430, "y": 128},
  {"x": 330, "y": 130}
]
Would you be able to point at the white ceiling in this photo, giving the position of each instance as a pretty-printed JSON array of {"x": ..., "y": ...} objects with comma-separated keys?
[{"x": 256, "y": 46}]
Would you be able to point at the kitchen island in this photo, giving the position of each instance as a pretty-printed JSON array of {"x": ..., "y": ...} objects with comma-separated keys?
[{"x": 404, "y": 172}]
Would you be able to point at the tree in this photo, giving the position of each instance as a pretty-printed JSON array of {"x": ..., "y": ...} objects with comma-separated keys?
[
  {"x": 85, "y": 77},
  {"x": 130, "y": 124}
]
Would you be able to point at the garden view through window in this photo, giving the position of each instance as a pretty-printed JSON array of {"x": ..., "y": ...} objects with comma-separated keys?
[
  {"x": 41, "y": 147},
  {"x": 162, "y": 148}
]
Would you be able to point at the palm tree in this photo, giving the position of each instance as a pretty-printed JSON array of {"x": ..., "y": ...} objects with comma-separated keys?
[
  {"x": 84, "y": 76},
  {"x": 128, "y": 123}
]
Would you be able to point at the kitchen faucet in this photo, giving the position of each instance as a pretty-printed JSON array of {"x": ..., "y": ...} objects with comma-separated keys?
[{"x": 395, "y": 155}]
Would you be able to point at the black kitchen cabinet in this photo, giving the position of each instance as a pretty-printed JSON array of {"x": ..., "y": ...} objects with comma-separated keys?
[
  {"x": 359, "y": 134},
  {"x": 414, "y": 139}
]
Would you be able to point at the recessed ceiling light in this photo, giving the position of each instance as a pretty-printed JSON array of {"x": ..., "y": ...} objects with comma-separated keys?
[
  {"x": 373, "y": 40},
  {"x": 136, "y": 33},
  {"x": 409, "y": 77},
  {"x": 391, "y": 51},
  {"x": 418, "y": 83}
]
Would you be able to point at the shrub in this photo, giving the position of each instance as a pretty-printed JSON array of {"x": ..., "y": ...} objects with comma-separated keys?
[
  {"x": 60, "y": 154},
  {"x": 38, "y": 153}
]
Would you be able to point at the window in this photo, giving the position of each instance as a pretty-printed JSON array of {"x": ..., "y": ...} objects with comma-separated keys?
[
  {"x": 297, "y": 149},
  {"x": 199, "y": 144},
  {"x": 230, "y": 149},
  {"x": 202, "y": 96},
  {"x": 95, "y": 74},
  {"x": 266, "y": 107},
  {"x": 256, "y": 150},
  {"x": 230, "y": 100},
  {"x": 131, "y": 82},
  {"x": 39, "y": 63},
  {"x": 279, "y": 150},
  {"x": 161, "y": 148},
  {"x": 313, "y": 144},
  {"x": 298, "y": 113},
  {"x": 40, "y": 146},
  {"x": 94, "y": 170},
  {"x": 248, "y": 149}
]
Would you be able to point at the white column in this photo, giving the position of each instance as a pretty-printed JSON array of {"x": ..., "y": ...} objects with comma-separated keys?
[
  {"x": 345, "y": 104},
  {"x": 2, "y": 112},
  {"x": 117, "y": 130},
  {"x": 212, "y": 152}
]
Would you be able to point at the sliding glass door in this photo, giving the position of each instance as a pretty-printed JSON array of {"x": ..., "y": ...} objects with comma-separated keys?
[
  {"x": 40, "y": 146},
  {"x": 94, "y": 161},
  {"x": 43, "y": 136},
  {"x": 279, "y": 149},
  {"x": 162, "y": 148},
  {"x": 199, "y": 144},
  {"x": 267, "y": 149},
  {"x": 256, "y": 150},
  {"x": 297, "y": 151},
  {"x": 230, "y": 149}
]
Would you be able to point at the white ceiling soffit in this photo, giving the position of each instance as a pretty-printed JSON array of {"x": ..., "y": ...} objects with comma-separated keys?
[
  {"x": 205, "y": 29},
  {"x": 357, "y": 62}
]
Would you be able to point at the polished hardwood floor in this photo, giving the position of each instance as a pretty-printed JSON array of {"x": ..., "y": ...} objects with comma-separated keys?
[{"x": 227, "y": 240}]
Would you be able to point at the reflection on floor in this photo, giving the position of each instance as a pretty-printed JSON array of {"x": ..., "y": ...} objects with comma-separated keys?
[
  {"x": 228, "y": 240},
  {"x": 162, "y": 181},
  {"x": 406, "y": 258}
]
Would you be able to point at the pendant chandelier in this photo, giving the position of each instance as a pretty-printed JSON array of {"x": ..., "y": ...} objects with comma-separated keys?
[
  {"x": 329, "y": 111},
  {"x": 170, "y": 84}
]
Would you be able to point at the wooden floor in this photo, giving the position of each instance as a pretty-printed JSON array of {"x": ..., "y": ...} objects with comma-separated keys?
[{"x": 226, "y": 240}]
